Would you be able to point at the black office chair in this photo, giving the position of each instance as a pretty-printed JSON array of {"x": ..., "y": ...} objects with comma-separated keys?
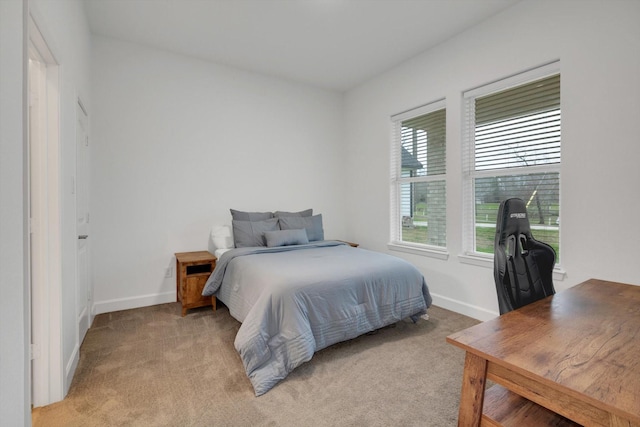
[{"x": 522, "y": 266}]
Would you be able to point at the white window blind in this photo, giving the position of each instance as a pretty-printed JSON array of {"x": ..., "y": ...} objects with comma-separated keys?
[
  {"x": 418, "y": 177},
  {"x": 519, "y": 127},
  {"x": 512, "y": 148}
]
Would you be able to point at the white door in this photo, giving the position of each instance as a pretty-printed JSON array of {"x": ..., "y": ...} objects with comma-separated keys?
[{"x": 83, "y": 291}]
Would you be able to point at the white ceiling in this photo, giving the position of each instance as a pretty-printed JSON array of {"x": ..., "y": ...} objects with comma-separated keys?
[{"x": 335, "y": 44}]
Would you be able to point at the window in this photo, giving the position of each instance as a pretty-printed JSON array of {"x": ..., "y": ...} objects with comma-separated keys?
[
  {"x": 418, "y": 178},
  {"x": 512, "y": 149}
]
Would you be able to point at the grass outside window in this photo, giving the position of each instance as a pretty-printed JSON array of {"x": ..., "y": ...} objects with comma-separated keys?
[{"x": 486, "y": 216}]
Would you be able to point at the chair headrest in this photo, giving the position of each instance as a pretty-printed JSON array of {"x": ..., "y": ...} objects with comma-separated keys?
[{"x": 512, "y": 219}]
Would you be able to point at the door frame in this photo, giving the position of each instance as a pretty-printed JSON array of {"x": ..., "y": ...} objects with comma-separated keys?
[{"x": 46, "y": 291}]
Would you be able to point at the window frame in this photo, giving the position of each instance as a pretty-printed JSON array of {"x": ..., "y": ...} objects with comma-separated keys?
[
  {"x": 469, "y": 254},
  {"x": 396, "y": 180}
]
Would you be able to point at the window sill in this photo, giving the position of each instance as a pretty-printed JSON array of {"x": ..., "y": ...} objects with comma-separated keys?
[
  {"x": 429, "y": 251},
  {"x": 487, "y": 261}
]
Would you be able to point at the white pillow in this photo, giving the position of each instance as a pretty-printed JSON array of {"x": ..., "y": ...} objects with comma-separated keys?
[{"x": 221, "y": 237}]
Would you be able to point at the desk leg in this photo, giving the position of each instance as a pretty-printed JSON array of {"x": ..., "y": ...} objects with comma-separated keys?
[{"x": 472, "y": 395}]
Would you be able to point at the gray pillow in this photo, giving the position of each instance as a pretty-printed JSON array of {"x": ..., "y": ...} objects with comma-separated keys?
[
  {"x": 307, "y": 212},
  {"x": 286, "y": 237},
  {"x": 313, "y": 225},
  {"x": 251, "y": 233},
  {"x": 250, "y": 216}
]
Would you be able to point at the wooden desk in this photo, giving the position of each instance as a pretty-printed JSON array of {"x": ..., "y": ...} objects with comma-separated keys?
[{"x": 576, "y": 353}]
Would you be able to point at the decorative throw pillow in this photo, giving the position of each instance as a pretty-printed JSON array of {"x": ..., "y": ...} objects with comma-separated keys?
[
  {"x": 250, "y": 216},
  {"x": 251, "y": 233},
  {"x": 286, "y": 237},
  {"x": 313, "y": 225}
]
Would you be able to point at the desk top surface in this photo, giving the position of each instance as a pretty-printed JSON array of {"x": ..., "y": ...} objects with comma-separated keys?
[{"x": 584, "y": 340}]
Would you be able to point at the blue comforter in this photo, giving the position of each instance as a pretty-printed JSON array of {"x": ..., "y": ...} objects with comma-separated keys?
[{"x": 295, "y": 300}]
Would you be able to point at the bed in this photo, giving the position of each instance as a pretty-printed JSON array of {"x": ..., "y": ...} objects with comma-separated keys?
[{"x": 294, "y": 299}]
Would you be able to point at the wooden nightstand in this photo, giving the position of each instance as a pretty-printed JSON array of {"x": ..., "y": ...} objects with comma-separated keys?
[{"x": 192, "y": 271}]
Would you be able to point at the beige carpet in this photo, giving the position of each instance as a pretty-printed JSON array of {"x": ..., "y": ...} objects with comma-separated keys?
[{"x": 152, "y": 367}]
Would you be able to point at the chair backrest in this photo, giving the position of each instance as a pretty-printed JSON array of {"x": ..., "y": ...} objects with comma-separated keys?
[{"x": 522, "y": 266}]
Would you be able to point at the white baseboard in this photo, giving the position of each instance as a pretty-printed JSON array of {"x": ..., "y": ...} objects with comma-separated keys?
[
  {"x": 473, "y": 311},
  {"x": 154, "y": 299},
  {"x": 70, "y": 369},
  {"x": 133, "y": 302}
]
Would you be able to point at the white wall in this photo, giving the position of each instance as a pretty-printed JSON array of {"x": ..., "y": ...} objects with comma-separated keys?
[
  {"x": 14, "y": 338},
  {"x": 178, "y": 142},
  {"x": 597, "y": 43}
]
